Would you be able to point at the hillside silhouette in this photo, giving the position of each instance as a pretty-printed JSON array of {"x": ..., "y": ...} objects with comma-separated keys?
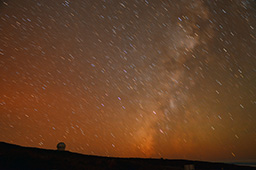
[{"x": 18, "y": 157}]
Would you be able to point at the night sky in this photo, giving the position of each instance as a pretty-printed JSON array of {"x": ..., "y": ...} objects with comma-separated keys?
[{"x": 130, "y": 78}]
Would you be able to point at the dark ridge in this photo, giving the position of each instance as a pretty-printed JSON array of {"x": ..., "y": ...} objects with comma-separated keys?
[{"x": 18, "y": 157}]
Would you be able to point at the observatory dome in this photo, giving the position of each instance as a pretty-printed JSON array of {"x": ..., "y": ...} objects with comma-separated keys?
[{"x": 61, "y": 146}]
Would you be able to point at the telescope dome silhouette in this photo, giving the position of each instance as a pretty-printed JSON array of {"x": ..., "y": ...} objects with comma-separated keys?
[{"x": 61, "y": 146}]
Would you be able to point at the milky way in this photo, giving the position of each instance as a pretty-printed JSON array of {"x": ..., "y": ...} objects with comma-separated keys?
[{"x": 138, "y": 78}]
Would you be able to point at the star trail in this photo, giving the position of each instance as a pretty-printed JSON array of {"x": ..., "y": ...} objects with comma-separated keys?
[{"x": 130, "y": 78}]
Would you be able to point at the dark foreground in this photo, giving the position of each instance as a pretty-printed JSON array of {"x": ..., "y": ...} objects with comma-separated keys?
[{"x": 17, "y": 157}]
